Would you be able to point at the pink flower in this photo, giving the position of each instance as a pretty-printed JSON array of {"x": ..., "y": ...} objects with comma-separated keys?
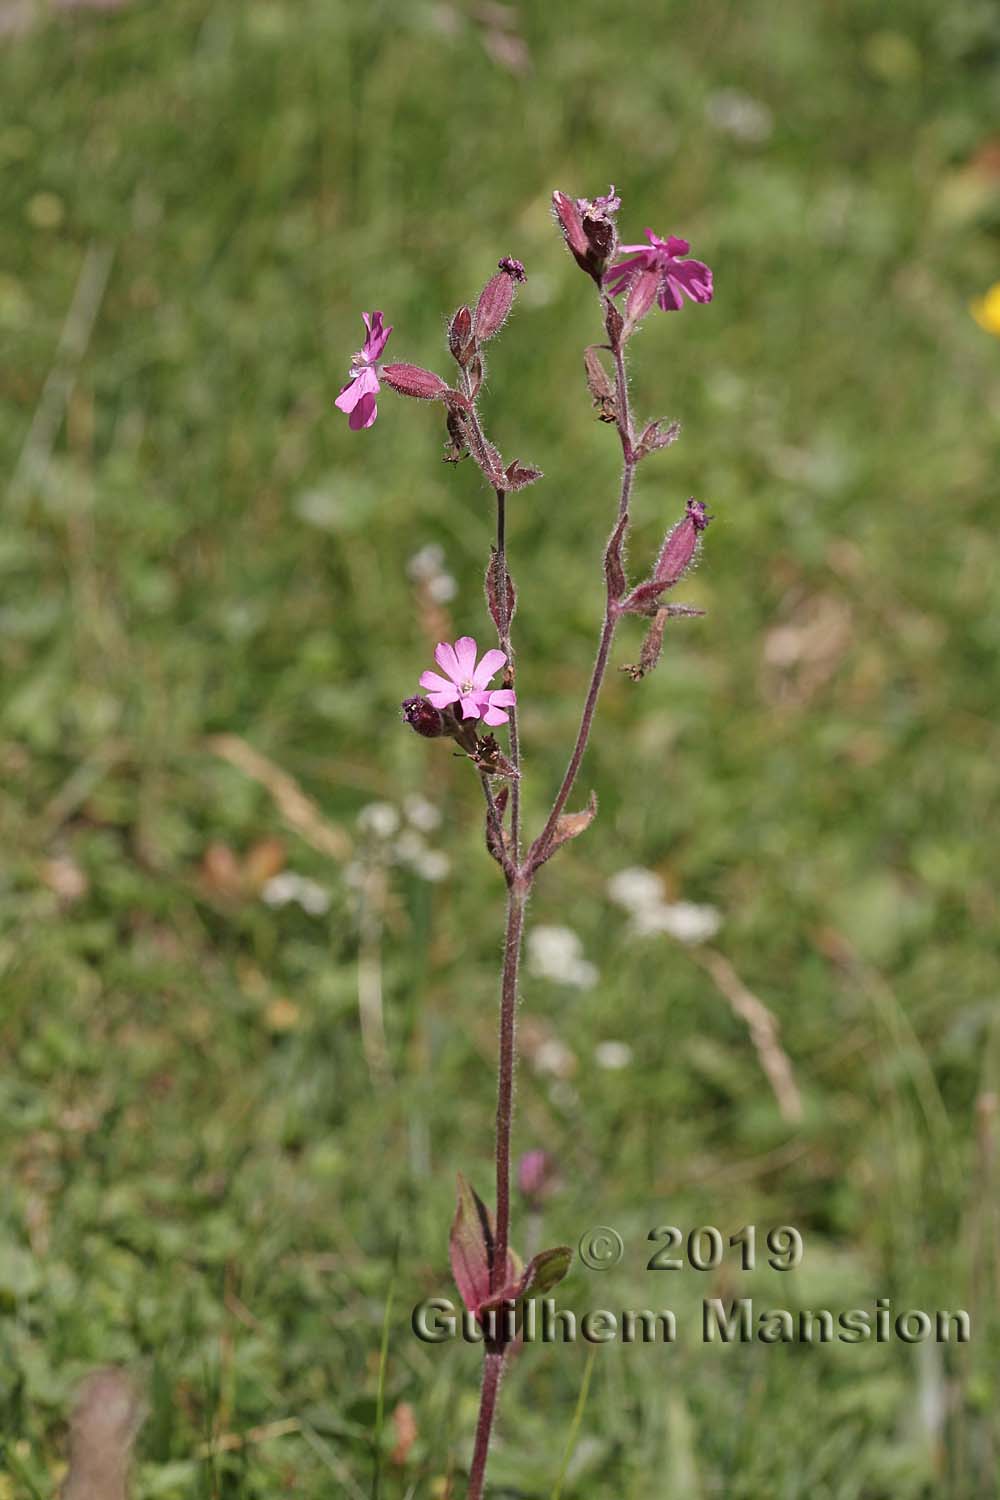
[
  {"x": 358, "y": 396},
  {"x": 466, "y": 683},
  {"x": 660, "y": 259}
]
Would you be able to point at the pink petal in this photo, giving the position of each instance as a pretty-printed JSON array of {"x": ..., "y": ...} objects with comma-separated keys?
[
  {"x": 674, "y": 245},
  {"x": 363, "y": 414},
  {"x": 621, "y": 275},
  {"x": 444, "y": 699},
  {"x": 349, "y": 396},
  {"x": 444, "y": 655},
  {"x": 489, "y": 667},
  {"x": 693, "y": 277},
  {"x": 365, "y": 384},
  {"x": 378, "y": 336},
  {"x": 496, "y": 703},
  {"x": 471, "y": 706},
  {"x": 669, "y": 298},
  {"x": 438, "y": 685},
  {"x": 465, "y": 652}
]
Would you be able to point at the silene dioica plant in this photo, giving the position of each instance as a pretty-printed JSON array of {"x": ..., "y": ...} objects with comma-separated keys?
[{"x": 463, "y": 705}]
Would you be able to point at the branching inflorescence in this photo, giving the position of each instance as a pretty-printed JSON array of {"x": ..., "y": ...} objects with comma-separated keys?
[{"x": 460, "y": 699}]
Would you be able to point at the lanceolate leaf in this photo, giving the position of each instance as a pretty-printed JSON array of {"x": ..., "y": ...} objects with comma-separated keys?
[{"x": 471, "y": 1247}]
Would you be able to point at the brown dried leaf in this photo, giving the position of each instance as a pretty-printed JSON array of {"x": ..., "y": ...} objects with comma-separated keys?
[
  {"x": 571, "y": 825},
  {"x": 600, "y": 385}
]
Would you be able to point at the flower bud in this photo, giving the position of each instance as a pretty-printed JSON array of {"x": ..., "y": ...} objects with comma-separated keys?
[
  {"x": 411, "y": 380},
  {"x": 460, "y": 340},
  {"x": 496, "y": 297},
  {"x": 681, "y": 544},
  {"x": 676, "y": 556},
  {"x": 423, "y": 718}
]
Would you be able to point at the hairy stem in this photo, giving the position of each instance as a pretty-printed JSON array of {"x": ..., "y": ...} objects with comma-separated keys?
[
  {"x": 508, "y": 650},
  {"x": 520, "y": 877},
  {"x": 608, "y": 626},
  {"x": 492, "y": 1370},
  {"x": 505, "y": 1076}
]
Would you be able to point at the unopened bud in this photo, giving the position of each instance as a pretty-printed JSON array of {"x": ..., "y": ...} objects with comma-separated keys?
[
  {"x": 496, "y": 297},
  {"x": 460, "y": 340},
  {"x": 681, "y": 544},
  {"x": 412, "y": 380},
  {"x": 423, "y": 717},
  {"x": 676, "y": 556}
]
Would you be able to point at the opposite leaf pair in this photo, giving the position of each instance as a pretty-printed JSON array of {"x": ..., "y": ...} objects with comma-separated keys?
[{"x": 471, "y": 1249}]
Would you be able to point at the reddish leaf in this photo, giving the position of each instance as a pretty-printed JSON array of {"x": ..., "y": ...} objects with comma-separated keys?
[
  {"x": 614, "y": 323},
  {"x": 495, "y": 597},
  {"x": 614, "y": 571},
  {"x": 518, "y": 476},
  {"x": 471, "y": 1247}
]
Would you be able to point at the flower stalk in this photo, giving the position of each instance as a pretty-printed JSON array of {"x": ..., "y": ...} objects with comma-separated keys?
[{"x": 489, "y": 1274}]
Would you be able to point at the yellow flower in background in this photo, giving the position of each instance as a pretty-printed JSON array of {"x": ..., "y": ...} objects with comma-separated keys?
[{"x": 986, "y": 310}]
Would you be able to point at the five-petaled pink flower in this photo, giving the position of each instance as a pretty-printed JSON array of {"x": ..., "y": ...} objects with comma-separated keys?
[
  {"x": 466, "y": 683},
  {"x": 358, "y": 396},
  {"x": 661, "y": 258}
]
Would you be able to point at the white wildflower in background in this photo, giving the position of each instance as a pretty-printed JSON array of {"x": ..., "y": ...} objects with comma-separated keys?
[
  {"x": 734, "y": 113},
  {"x": 427, "y": 568},
  {"x": 683, "y": 920},
  {"x": 641, "y": 893},
  {"x": 283, "y": 889},
  {"x": 381, "y": 819},
  {"x": 556, "y": 953},
  {"x": 613, "y": 1055},
  {"x": 635, "y": 888},
  {"x": 421, "y": 813},
  {"x": 554, "y": 1057},
  {"x": 432, "y": 864},
  {"x": 398, "y": 838}
]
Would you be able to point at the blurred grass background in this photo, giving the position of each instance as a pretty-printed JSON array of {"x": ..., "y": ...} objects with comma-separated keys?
[{"x": 210, "y": 1169}]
